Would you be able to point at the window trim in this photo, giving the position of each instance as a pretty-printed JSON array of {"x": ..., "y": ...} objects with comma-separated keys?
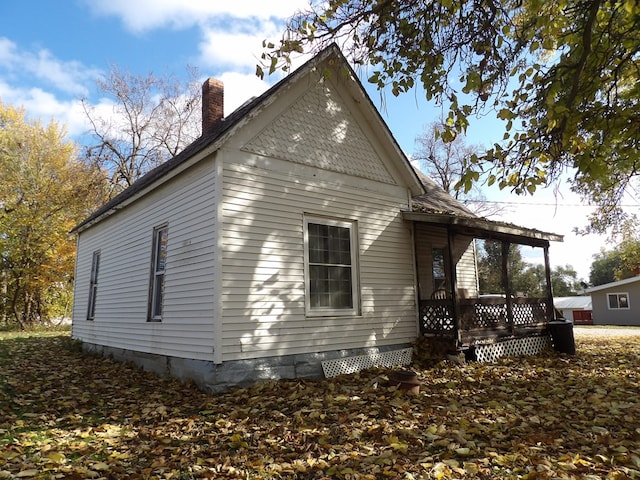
[
  {"x": 352, "y": 225},
  {"x": 93, "y": 285},
  {"x": 618, "y": 295},
  {"x": 152, "y": 316}
]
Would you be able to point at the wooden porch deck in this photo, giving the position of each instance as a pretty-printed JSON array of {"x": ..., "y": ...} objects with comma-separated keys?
[{"x": 484, "y": 320}]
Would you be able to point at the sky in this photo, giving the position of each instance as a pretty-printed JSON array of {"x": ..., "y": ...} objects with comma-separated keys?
[{"x": 52, "y": 52}]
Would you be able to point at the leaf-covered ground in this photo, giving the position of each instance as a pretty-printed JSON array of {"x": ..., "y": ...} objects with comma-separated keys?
[{"x": 70, "y": 416}]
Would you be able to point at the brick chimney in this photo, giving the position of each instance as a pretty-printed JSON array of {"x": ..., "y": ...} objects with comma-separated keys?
[{"x": 212, "y": 104}]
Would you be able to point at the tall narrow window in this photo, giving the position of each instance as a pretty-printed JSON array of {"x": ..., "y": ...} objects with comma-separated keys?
[
  {"x": 158, "y": 266},
  {"x": 93, "y": 286},
  {"x": 439, "y": 269},
  {"x": 331, "y": 268}
]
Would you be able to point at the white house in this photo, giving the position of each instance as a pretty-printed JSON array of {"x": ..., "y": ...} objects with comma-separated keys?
[
  {"x": 576, "y": 309},
  {"x": 292, "y": 232}
]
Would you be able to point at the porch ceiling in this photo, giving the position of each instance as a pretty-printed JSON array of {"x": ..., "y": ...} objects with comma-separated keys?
[{"x": 487, "y": 229}]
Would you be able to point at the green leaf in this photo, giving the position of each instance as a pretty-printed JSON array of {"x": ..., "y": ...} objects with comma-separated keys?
[{"x": 505, "y": 114}]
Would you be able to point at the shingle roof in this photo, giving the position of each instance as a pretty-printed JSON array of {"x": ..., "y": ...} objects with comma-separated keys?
[
  {"x": 437, "y": 200},
  {"x": 217, "y": 134}
]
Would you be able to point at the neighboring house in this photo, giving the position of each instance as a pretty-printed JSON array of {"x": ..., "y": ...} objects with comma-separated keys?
[
  {"x": 616, "y": 303},
  {"x": 576, "y": 309},
  {"x": 292, "y": 232}
]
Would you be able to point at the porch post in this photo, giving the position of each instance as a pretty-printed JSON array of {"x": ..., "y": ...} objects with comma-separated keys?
[
  {"x": 505, "y": 283},
  {"x": 454, "y": 285},
  {"x": 547, "y": 272}
]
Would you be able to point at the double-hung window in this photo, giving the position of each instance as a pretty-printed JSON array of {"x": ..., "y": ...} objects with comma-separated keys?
[
  {"x": 618, "y": 301},
  {"x": 158, "y": 267},
  {"x": 331, "y": 267},
  {"x": 93, "y": 285}
]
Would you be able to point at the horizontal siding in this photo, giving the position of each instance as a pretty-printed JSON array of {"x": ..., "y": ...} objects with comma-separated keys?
[
  {"x": 466, "y": 272},
  {"x": 603, "y": 315},
  {"x": 263, "y": 268},
  {"x": 427, "y": 237},
  {"x": 187, "y": 205}
]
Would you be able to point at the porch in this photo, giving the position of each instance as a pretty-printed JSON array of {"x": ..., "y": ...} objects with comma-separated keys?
[
  {"x": 474, "y": 320},
  {"x": 452, "y": 305}
]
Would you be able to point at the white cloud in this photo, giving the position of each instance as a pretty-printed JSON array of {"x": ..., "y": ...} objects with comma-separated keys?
[
  {"x": 8, "y": 54},
  {"x": 69, "y": 77},
  {"x": 239, "y": 48},
  {"x": 239, "y": 88},
  {"x": 143, "y": 15},
  {"x": 45, "y": 106},
  {"x": 231, "y": 49},
  {"x": 540, "y": 212}
]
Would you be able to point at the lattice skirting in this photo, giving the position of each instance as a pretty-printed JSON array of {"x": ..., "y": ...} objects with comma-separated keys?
[
  {"x": 512, "y": 347},
  {"x": 340, "y": 366}
]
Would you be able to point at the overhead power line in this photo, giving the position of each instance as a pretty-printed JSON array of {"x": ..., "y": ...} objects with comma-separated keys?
[{"x": 542, "y": 204}]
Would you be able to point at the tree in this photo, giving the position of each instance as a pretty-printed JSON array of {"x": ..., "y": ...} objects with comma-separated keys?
[
  {"x": 622, "y": 261},
  {"x": 562, "y": 76},
  {"x": 629, "y": 251},
  {"x": 526, "y": 278},
  {"x": 490, "y": 269},
  {"x": 603, "y": 268},
  {"x": 152, "y": 120},
  {"x": 565, "y": 282},
  {"x": 44, "y": 192},
  {"x": 444, "y": 162}
]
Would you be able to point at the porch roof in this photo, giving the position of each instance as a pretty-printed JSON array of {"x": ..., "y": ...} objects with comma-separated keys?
[{"x": 483, "y": 228}]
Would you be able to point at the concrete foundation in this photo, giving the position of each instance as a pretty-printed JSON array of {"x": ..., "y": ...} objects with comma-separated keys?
[{"x": 218, "y": 378}]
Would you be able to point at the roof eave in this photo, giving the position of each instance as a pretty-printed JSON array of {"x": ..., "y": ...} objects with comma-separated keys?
[
  {"x": 615, "y": 284},
  {"x": 482, "y": 225}
]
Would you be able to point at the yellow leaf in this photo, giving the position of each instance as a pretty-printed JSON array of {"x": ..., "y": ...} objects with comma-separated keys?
[
  {"x": 100, "y": 466},
  {"x": 27, "y": 473},
  {"x": 399, "y": 446},
  {"x": 56, "y": 457},
  {"x": 471, "y": 468}
]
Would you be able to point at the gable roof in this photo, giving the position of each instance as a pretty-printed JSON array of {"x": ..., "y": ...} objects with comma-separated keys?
[
  {"x": 212, "y": 140},
  {"x": 619, "y": 283}
]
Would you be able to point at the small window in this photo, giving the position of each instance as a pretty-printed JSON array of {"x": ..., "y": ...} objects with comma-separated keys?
[
  {"x": 93, "y": 286},
  {"x": 330, "y": 267},
  {"x": 439, "y": 270},
  {"x": 618, "y": 301},
  {"x": 158, "y": 267}
]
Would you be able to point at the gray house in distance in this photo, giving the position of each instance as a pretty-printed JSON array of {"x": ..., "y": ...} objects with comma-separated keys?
[{"x": 616, "y": 303}]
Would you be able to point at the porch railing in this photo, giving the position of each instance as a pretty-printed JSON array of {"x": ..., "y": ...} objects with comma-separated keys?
[{"x": 482, "y": 316}]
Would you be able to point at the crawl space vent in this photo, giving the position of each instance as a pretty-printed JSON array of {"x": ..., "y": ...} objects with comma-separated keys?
[
  {"x": 512, "y": 348},
  {"x": 340, "y": 366}
]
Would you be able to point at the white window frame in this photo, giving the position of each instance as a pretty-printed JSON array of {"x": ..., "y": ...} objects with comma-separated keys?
[
  {"x": 618, "y": 295},
  {"x": 93, "y": 285},
  {"x": 155, "y": 286},
  {"x": 354, "y": 310}
]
